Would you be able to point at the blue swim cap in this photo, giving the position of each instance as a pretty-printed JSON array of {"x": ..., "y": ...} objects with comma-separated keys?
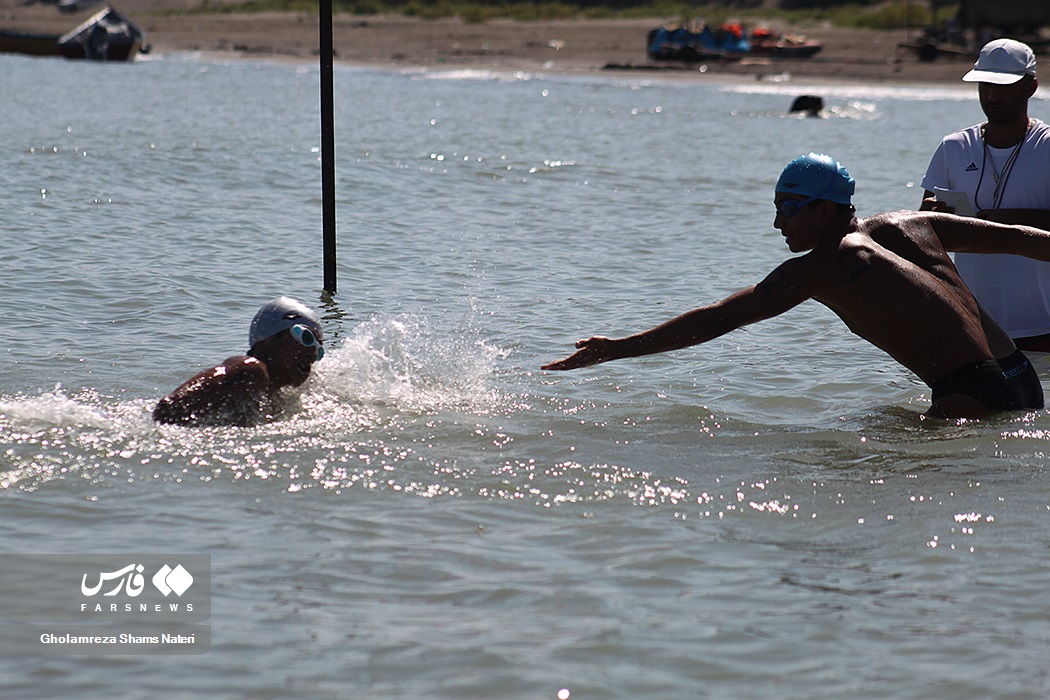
[{"x": 817, "y": 175}]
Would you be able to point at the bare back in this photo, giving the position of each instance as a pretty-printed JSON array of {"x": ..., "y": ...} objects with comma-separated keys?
[
  {"x": 891, "y": 282},
  {"x": 233, "y": 393}
]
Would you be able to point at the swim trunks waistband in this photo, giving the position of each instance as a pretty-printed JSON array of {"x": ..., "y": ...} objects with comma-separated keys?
[{"x": 1007, "y": 384}]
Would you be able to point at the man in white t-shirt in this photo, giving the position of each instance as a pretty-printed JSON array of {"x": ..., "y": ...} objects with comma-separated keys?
[{"x": 1003, "y": 167}]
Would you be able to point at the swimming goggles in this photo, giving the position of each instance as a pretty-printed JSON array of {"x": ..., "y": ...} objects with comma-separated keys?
[
  {"x": 791, "y": 207},
  {"x": 307, "y": 338}
]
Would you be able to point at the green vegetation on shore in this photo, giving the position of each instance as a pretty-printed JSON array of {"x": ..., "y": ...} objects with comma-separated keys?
[{"x": 886, "y": 15}]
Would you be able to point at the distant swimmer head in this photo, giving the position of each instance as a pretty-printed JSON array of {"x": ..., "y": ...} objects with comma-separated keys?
[
  {"x": 280, "y": 314},
  {"x": 817, "y": 176},
  {"x": 810, "y": 104}
]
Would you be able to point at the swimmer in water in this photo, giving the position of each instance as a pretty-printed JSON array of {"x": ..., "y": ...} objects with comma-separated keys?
[
  {"x": 285, "y": 339},
  {"x": 891, "y": 281}
]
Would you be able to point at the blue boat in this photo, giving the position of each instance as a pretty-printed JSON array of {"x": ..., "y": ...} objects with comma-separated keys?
[
  {"x": 700, "y": 42},
  {"x": 697, "y": 43}
]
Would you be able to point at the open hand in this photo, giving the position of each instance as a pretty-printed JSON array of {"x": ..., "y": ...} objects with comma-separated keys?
[{"x": 589, "y": 352}]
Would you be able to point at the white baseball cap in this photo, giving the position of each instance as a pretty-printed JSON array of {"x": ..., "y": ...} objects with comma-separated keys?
[
  {"x": 1003, "y": 62},
  {"x": 281, "y": 314}
]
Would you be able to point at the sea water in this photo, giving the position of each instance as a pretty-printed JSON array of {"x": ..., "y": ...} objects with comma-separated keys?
[{"x": 765, "y": 515}]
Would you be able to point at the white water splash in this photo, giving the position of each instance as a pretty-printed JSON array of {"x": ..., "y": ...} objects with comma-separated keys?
[{"x": 402, "y": 362}]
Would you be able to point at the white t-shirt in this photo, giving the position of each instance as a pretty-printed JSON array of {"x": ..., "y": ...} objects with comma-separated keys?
[{"x": 1015, "y": 290}]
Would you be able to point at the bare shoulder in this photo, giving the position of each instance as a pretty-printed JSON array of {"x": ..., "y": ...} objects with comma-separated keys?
[
  {"x": 244, "y": 368},
  {"x": 237, "y": 370},
  {"x": 907, "y": 232},
  {"x": 796, "y": 278},
  {"x": 232, "y": 392},
  {"x": 905, "y": 220}
]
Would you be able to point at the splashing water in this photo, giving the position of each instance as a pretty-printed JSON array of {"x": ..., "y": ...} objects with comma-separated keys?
[
  {"x": 392, "y": 373},
  {"x": 401, "y": 363}
]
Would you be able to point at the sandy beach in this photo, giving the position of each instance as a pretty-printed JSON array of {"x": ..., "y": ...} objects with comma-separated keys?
[{"x": 553, "y": 46}]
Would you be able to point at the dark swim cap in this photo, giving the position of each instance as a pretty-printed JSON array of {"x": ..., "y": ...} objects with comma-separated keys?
[
  {"x": 281, "y": 314},
  {"x": 819, "y": 176}
]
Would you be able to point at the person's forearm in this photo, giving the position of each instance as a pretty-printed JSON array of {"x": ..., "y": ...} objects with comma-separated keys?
[
  {"x": 1039, "y": 218},
  {"x": 692, "y": 328},
  {"x": 1033, "y": 243}
]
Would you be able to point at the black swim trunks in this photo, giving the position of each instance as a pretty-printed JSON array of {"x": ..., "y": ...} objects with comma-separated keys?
[{"x": 1007, "y": 384}]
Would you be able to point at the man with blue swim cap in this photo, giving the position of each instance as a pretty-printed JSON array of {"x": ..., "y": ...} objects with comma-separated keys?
[
  {"x": 284, "y": 340},
  {"x": 817, "y": 176},
  {"x": 811, "y": 179},
  {"x": 888, "y": 277}
]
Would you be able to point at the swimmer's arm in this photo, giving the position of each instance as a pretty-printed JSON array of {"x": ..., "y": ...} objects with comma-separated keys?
[
  {"x": 771, "y": 297},
  {"x": 1038, "y": 218},
  {"x": 969, "y": 235}
]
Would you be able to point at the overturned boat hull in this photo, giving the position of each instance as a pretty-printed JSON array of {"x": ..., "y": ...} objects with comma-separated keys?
[{"x": 106, "y": 36}]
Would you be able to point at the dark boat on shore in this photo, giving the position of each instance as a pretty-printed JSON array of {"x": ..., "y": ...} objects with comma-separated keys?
[
  {"x": 105, "y": 36},
  {"x": 767, "y": 43},
  {"x": 28, "y": 43}
]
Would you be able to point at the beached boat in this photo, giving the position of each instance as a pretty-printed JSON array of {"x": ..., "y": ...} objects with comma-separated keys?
[
  {"x": 698, "y": 41},
  {"x": 767, "y": 43},
  {"x": 29, "y": 43},
  {"x": 695, "y": 42},
  {"x": 106, "y": 36}
]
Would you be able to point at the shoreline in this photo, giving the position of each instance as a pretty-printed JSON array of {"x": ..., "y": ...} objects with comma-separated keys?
[{"x": 554, "y": 46}]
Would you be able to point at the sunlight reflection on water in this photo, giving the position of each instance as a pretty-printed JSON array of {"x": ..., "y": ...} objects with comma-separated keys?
[{"x": 441, "y": 518}]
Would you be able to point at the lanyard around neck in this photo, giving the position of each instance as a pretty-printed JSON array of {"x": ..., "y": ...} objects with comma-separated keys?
[{"x": 1001, "y": 176}]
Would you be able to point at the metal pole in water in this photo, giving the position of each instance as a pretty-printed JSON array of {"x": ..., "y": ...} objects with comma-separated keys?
[{"x": 327, "y": 146}]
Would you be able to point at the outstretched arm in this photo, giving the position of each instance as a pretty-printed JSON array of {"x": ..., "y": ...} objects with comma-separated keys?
[
  {"x": 1039, "y": 218},
  {"x": 970, "y": 235},
  {"x": 771, "y": 297},
  {"x": 697, "y": 326}
]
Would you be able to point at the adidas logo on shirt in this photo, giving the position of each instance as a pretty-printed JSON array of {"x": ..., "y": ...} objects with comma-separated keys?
[{"x": 971, "y": 167}]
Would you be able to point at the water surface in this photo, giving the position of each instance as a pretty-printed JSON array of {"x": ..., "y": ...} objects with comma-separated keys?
[{"x": 766, "y": 514}]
